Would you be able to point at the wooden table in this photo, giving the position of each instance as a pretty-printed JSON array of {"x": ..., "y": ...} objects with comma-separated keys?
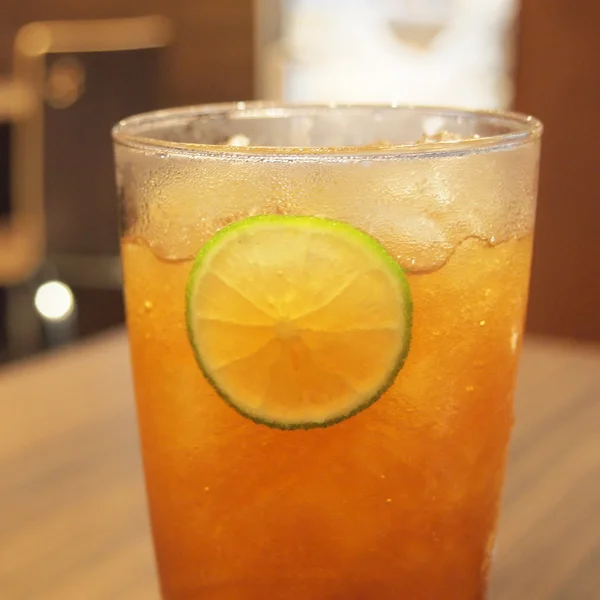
[{"x": 73, "y": 523}]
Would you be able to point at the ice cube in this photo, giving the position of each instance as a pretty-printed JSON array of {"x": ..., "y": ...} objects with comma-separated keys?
[
  {"x": 239, "y": 139},
  {"x": 439, "y": 137},
  {"x": 419, "y": 242}
]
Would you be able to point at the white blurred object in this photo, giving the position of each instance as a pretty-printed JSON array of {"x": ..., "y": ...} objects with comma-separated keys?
[
  {"x": 54, "y": 301},
  {"x": 434, "y": 52}
]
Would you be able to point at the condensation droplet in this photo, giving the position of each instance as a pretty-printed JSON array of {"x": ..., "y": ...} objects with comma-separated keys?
[
  {"x": 482, "y": 323},
  {"x": 514, "y": 340},
  {"x": 148, "y": 305}
]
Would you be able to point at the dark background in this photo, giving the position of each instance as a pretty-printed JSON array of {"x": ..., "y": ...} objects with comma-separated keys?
[{"x": 211, "y": 59}]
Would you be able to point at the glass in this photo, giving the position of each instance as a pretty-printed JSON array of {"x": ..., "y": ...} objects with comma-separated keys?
[{"x": 400, "y": 499}]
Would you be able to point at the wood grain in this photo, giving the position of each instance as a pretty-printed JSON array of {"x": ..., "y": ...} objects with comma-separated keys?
[
  {"x": 72, "y": 516},
  {"x": 73, "y": 522}
]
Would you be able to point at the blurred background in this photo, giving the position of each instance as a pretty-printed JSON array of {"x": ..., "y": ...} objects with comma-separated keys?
[{"x": 69, "y": 70}]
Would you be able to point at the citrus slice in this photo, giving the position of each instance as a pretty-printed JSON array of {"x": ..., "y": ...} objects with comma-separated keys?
[{"x": 298, "y": 322}]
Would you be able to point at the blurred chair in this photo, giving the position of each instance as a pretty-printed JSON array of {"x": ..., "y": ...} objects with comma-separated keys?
[
  {"x": 21, "y": 236},
  {"x": 62, "y": 223},
  {"x": 22, "y": 231}
]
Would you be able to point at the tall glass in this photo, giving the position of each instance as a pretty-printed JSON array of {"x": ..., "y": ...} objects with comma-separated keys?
[{"x": 416, "y": 251}]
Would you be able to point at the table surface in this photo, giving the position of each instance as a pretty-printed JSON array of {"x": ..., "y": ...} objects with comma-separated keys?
[{"x": 73, "y": 522}]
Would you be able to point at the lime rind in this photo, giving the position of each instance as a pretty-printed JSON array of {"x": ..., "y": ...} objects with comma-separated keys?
[{"x": 202, "y": 264}]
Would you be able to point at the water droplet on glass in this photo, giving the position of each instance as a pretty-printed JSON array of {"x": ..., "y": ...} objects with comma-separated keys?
[
  {"x": 482, "y": 323},
  {"x": 148, "y": 305},
  {"x": 514, "y": 340}
]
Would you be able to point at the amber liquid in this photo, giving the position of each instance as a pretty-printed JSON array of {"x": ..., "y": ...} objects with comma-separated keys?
[{"x": 397, "y": 502}]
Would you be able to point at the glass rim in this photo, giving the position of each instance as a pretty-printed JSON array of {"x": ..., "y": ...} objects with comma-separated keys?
[{"x": 132, "y": 131}]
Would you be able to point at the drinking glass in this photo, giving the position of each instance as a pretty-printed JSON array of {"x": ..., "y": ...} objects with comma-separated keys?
[{"x": 325, "y": 308}]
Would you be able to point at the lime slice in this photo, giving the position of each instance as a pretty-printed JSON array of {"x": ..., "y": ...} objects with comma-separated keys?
[{"x": 298, "y": 322}]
